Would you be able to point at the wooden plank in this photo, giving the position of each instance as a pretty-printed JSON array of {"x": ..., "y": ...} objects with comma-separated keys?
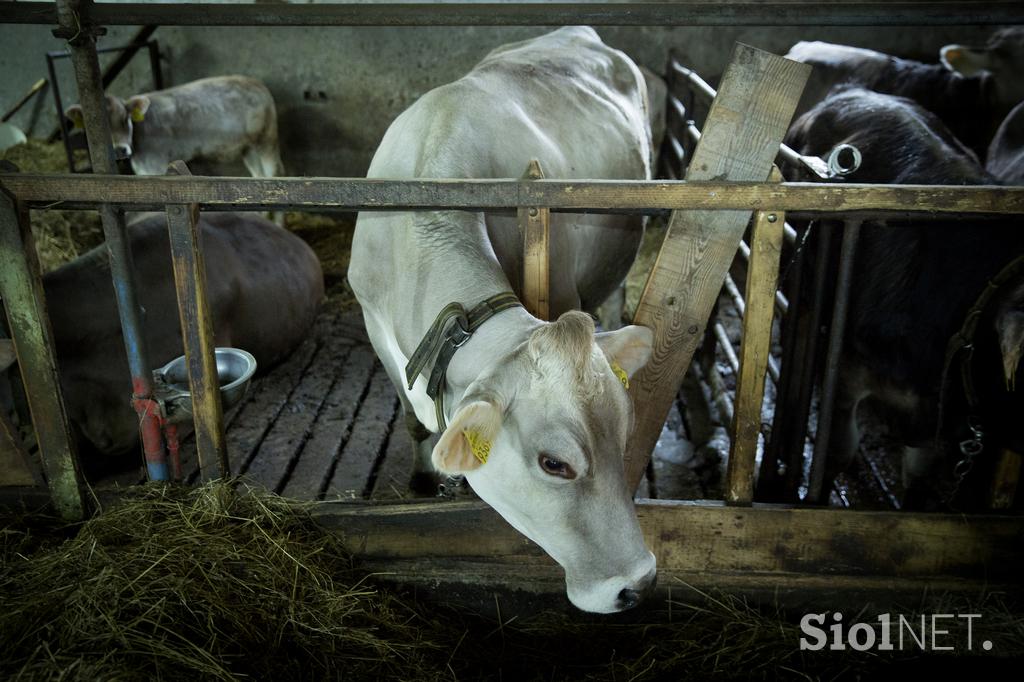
[
  {"x": 684, "y": 13},
  {"x": 286, "y": 438},
  {"x": 620, "y": 196},
  {"x": 14, "y": 460},
  {"x": 755, "y": 351},
  {"x": 333, "y": 427},
  {"x": 254, "y": 419},
  {"x": 21, "y": 288},
  {"x": 535, "y": 225},
  {"x": 747, "y": 121},
  {"x": 359, "y": 455},
  {"x": 1005, "y": 479},
  {"x": 395, "y": 471},
  {"x": 765, "y": 542},
  {"x": 197, "y": 335}
]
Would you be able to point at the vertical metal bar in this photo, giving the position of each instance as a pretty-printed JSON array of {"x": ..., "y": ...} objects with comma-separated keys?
[
  {"x": 816, "y": 490},
  {"x": 21, "y": 288},
  {"x": 535, "y": 225},
  {"x": 755, "y": 348},
  {"x": 81, "y": 38},
  {"x": 154, "y": 64},
  {"x": 197, "y": 333}
]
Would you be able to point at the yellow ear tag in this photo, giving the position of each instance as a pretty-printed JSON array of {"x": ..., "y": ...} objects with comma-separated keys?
[
  {"x": 480, "y": 446},
  {"x": 138, "y": 116},
  {"x": 620, "y": 373}
]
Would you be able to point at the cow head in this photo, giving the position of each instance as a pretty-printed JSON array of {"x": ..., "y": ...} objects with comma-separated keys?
[
  {"x": 540, "y": 437},
  {"x": 1002, "y": 56},
  {"x": 123, "y": 115}
]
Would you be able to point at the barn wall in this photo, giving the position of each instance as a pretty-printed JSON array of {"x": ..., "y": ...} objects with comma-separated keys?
[{"x": 337, "y": 89}]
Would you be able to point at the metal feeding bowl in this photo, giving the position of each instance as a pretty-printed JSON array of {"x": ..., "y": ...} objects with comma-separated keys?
[{"x": 235, "y": 368}]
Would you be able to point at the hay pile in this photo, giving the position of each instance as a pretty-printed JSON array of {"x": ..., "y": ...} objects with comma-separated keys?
[
  {"x": 204, "y": 584},
  {"x": 330, "y": 237},
  {"x": 224, "y": 583},
  {"x": 60, "y": 236}
]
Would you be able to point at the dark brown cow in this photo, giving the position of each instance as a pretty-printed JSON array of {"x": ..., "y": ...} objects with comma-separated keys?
[
  {"x": 914, "y": 283},
  {"x": 968, "y": 105},
  {"x": 264, "y": 285},
  {"x": 1006, "y": 153}
]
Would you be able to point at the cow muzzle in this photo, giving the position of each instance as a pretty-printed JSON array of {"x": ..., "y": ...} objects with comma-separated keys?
[
  {"x": 122, "y": 152},
  {"x": 619, "y": 593}
]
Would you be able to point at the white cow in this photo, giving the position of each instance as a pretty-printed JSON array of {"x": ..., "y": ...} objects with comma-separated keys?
[
  {"x": 537, "y": 414},
  {"x": 220, "y": 119}
]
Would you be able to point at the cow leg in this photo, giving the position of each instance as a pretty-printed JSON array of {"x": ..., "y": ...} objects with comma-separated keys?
[
  {"x": 610, "y": 313},
  {"x": 918, "y": 470},
  {"x": 424, "y": 479},
  {"x": 264, "y": 163}
]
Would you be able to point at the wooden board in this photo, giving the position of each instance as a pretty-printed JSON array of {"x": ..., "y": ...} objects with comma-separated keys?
[
  {"x": 394, "y": 473},
  {"x": 707, "y": 544},
  {"x": 359, "y": 456},
  {"x": 741, "y": 138},
  {"x": 619, "y": 196},
  {"x": 721, "y": 13},
  {"x": 287, "y": 437},
  {"x": 755, "y": 351},
  {"x": 197, "y": 335},
  {"x": 334, "y": 426},
  {"x": 535, "y": 226},
  {"x": 21, "y": 287}
]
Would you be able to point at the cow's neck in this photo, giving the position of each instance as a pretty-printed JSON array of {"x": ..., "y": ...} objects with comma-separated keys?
[{"x": 452, "y": 261}]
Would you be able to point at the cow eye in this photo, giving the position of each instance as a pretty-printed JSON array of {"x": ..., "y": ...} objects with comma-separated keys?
[{"x": 555, "y": 467}]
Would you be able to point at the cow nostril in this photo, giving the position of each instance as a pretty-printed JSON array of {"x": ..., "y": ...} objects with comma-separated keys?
[{"x": 628, "y": 599}]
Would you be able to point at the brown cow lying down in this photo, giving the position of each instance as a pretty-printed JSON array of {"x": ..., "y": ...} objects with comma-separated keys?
[
  {"x": 264, "y": 285},
  {"x": 221, "y": 119}
]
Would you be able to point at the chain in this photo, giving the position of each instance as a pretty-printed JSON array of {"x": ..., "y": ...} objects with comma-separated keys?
[
  {"x": 449, "y": 487},
  {"x": 970, "y": 449}
]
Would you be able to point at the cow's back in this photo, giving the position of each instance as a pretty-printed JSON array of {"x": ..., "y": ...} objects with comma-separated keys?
[
  {"x": 564, "y": 99},
  {"x": 263, "y": 285}
]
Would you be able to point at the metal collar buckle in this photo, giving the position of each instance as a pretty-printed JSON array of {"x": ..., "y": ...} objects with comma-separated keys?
[{"x": 458, "y": 334}]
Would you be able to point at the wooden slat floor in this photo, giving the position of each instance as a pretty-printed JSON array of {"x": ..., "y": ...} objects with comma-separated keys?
[{"x": 325, "y": 424}]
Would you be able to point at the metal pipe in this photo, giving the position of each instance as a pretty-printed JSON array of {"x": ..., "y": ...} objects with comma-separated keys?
[
  {"x": 727, "y": 350},
  {"x": 848, "y": 253},
  {"x": 691, "y": 13},
  {"x": 81, "y": 37}
]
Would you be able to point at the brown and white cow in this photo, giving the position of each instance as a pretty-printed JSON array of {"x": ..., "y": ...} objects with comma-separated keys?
[
  {"x": 264, "y": 285},
  {"x": 543, "y": 395},
  {"x": 221, "y": 119}
]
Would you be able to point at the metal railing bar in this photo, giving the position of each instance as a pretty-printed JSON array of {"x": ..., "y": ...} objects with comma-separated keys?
[
  {"x": 692, "y": 13},
  {"x": 630, "y": 196}
]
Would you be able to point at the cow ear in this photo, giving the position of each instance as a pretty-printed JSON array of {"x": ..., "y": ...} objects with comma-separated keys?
[
  {"x": 1010, "y": 327},
  {"x": 137, "y": 107},
  {"x": 630, "y": 348},
  {"x": 74, "y": 114},
  {"x": 963, "y": 60},
  {"x": 466, "y": 443}
]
